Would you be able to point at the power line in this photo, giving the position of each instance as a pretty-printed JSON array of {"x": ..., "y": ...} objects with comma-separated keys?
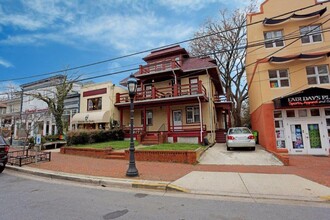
[{"x": 168, "y": 45}]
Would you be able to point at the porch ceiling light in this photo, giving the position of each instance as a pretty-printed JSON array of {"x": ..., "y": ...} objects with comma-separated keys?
[{"x": 132, "y": 86}]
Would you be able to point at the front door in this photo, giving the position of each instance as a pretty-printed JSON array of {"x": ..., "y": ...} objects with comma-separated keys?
[
  {"x": 307, "y": 138},
  {"x": 177, "y": 120}
]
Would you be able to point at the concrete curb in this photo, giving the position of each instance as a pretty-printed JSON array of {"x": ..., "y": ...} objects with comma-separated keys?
[{"x": 94, "y": 180}]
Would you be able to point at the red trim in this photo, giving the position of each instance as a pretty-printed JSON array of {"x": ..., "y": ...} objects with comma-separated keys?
[{"x": 95, "y": 92}]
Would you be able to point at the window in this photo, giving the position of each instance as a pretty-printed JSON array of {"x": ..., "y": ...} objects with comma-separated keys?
[
  {"x": 278, "y": 78},
  {"x": 315, "y": 112},
  {"x": 290, "y": 113},
  {"x": 94, "y": 104},
  {"x": 193, "y": 85},
  {"x": 273, "y": 39},
  {"x": 192, "y": 114},
  {"x": 302, "y": 112},
  {"x": 317, "y": 74},
  {"x": 310, "y": 34},
  {"x": 149, "y": 117}
]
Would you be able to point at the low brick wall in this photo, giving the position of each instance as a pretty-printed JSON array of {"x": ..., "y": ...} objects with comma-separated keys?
[
  {"x": 87, "y": 152},
  {"x": 190, "y": 157},
  {"x": 282, "y": 156}
]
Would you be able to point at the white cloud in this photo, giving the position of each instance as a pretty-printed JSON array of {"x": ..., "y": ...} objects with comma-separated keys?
[
  {"x": 184, "y": 5},
  {"x": 5, "y": 63},
  {"x": 125, "y": 25}
]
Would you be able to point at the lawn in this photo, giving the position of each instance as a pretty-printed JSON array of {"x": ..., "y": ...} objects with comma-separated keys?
[
  {"x": 173, "y": 146},
  {"x": 116, "y": 145}
]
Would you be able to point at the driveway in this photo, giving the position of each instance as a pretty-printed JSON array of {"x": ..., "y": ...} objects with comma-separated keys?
[{"x": 219, "y": 155}]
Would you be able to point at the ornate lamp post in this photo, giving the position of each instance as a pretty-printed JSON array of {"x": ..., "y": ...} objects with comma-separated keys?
[{"x": 132, "y": 86}]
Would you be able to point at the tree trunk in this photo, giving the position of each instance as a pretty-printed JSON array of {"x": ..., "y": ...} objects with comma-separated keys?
[{"x": 59, "y": 124}]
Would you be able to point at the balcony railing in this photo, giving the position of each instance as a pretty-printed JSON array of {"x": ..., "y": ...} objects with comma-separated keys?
[
  {"x": 164, "y": 92},
  {"x": 220, "y": 98},
  {"x": 159, "y": 67}
]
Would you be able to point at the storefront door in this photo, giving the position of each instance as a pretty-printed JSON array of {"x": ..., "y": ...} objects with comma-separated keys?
[{"x": 307, "y": 138}]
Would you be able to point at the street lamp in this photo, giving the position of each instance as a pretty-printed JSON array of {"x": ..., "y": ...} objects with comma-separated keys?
[{"x": 132, "y": 86}]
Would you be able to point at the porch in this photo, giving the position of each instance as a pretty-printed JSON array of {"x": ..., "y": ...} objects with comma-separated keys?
[{"x": 165, "y": 93}]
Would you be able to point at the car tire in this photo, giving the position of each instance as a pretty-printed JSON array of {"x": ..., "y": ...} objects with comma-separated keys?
[
  {"x": 2, "y": 168},
  {"x": 253, "y": 148},
  {"x": 228, "y": 148}
]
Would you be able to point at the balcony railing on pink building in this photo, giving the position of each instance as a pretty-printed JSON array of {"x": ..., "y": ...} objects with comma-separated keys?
[
  {"x": 158, "y": 67},
  {"x": 164, "y": 92}
]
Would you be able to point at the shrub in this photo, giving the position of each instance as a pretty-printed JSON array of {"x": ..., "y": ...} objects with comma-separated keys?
[{"x": 96, "y": 136}]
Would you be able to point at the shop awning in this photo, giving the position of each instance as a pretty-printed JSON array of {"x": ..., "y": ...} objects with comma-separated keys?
[
  {"x": 300, "y": 57},
  {"x": 272, "y": 22},
  {"x": 91, "y": 117},
  {"x": 314, "y": 96}
]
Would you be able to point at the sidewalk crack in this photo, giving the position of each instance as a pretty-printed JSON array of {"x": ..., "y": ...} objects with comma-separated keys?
[{"x": 247, "y": 188}]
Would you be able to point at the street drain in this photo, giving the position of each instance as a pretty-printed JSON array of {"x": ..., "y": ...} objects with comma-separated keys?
[{"x": 116, "y": 214}]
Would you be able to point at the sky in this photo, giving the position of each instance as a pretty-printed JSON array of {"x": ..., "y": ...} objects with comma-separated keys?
[{"x": 38, "y": 37}]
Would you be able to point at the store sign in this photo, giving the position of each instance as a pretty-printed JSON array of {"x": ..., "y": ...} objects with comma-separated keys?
[{"x": 308, "y": 97}]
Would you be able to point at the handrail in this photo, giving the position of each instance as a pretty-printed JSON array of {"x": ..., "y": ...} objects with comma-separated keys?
[{"x": 162, "y": 127}]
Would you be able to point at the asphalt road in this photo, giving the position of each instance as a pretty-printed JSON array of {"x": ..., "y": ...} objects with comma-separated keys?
[{"x": 25, "y": 197}]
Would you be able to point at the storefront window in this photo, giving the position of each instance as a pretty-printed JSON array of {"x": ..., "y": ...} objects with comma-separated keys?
[
  {"x": 277, "y": 114},
  {"x": 315, "y": 112},
  {"x": 290, "y": 113},
  {"x": 279, "y": 129},
  {"x": 302, "y": 112}
]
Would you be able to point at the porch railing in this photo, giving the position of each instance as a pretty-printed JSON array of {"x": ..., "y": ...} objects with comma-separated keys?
[
  {"x": 165, "y": 92},
  {"x": 158, "y": 67},
  {"x": 192, "y": 127}
]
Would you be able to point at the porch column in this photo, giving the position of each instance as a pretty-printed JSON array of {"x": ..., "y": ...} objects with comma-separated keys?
[
  {"x": 121, "y": 118},
  {"x": 229, "y": 118},
  {"x": 144, "y": 119},
  {"x": 44, "y": 128},
  {"x": 168, "y": 118}
]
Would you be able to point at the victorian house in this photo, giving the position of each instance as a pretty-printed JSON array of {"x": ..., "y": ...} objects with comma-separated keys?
[{"x": 179, "y": 99}]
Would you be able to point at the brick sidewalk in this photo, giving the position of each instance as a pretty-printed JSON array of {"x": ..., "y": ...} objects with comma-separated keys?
[{"x": 313, "y": 168}]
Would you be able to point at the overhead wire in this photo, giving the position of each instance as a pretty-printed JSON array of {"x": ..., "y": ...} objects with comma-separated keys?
[{"x": 165, "y": 46}]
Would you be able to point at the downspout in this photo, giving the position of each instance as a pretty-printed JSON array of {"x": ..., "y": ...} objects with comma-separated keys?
[
  {"x": 201, "y": 119},
  {"x": 210, "y": 107}
]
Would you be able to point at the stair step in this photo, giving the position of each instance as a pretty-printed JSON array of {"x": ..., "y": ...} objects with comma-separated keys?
[{"x": 118, "y": 157}]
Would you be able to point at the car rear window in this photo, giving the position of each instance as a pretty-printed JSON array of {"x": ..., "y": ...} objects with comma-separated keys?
[{"x": 239, "y": 131}]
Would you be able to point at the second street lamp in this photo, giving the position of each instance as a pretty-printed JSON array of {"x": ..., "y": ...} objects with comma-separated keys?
[{"x": 132, "y": 87}]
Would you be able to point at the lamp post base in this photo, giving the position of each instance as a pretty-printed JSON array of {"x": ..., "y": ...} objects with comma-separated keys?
[{"x": 132, "y": 171}]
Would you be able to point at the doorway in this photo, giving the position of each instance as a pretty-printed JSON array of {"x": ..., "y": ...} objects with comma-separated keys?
[
  {"x": 177, "y": 120},
  {"x": 307, "y": 138}
]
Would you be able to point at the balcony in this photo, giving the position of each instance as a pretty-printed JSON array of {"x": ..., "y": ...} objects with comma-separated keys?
[
  {"x": 165, "y": 93},
  {"x": 159, "y": 67}
]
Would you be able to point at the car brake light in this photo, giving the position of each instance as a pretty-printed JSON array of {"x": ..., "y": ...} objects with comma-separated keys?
[
  {"x": 251, "y": 137},
  {"x": 231, "y": 138},
  {"x": 7, "y": 148}
]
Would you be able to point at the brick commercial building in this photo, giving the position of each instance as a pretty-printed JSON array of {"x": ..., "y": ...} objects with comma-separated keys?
[{"x": 288, "y": 75}]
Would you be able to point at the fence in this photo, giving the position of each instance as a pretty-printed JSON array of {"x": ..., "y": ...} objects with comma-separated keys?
[{"x": 24, "y": 157}]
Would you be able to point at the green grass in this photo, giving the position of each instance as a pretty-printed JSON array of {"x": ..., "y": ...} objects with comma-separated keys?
[
  {"x": 116, "y": 145},
  {"x": 173, "y": 146}
]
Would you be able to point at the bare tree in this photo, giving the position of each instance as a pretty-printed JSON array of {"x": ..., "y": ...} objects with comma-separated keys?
[
  {"x": 226, "y": 43},
  {"x": 29, "y": 122},
  {"x": 55, "y": 100}
]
